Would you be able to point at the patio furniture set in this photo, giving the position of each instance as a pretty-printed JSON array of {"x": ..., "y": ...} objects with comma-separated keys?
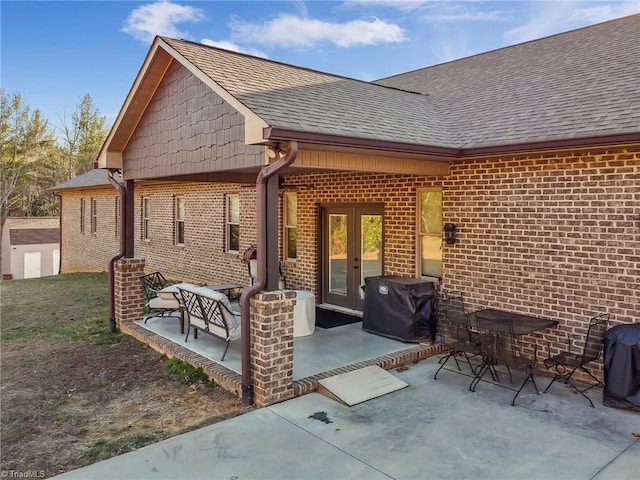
[
  {"x": 489, "y": 339},
  {"x": 208, "y": 309}
]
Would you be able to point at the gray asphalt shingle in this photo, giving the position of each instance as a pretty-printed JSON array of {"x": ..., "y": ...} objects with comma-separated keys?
[{"x": 577, "y": 84}]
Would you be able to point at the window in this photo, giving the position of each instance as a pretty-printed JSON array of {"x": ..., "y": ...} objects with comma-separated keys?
[
  {"x": 82, "y": 211},
  {"x": 430, "y": 233},
  {"x": 179, "y": 215},
  {"x": 146, "y": 219},
  {"x": 117, "y": 216},
  {"x": 233, "y": 223},
  {"x": 290, "y": 225},
  {"x": 94, "y": 215}
]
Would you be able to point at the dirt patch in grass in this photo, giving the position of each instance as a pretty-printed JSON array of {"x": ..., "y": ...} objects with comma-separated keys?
[{"x": 67, "y": 403}]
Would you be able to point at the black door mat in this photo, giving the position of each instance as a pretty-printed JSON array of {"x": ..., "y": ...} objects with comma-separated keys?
[{"x": 330, "y": 318}]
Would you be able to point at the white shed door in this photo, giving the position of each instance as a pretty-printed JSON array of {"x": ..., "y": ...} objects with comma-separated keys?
[
  {"x": 32, "y": 264},
  {"x": 56, "y": 262}
]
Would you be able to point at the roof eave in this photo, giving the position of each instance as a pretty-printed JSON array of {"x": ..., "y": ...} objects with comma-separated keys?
[
  {"x": 282, "y": 134},
  {"x": 452, "y": 153},
  {"x": 617, "y": 140}
]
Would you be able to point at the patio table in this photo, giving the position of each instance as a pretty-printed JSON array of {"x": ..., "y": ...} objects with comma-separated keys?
[
  {"x": 498, "y": 328},
  {"x": 501, "y": 320}
]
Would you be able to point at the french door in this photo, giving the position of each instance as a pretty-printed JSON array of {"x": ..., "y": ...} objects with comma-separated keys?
[{"x": 352, "y": 249}]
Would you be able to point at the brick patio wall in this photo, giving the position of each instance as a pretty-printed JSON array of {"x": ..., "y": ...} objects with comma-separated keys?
[
  {"x": 129, "y": 295},
  {"x": 272, "y": 346}
]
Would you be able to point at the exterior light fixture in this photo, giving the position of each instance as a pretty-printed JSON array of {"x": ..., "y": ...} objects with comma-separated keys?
[
  {"x": 450, "y": 233},
  {"x": 276, "y": 151},
  {"x": 272, "y": 152}
]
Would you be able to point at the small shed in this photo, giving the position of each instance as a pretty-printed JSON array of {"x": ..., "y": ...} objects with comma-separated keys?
[{"x": 30, "y": 247}]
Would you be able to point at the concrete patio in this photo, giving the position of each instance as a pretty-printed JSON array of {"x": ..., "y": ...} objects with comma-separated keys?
[
  {"x": 431, "y": 429},
  {"x": 325, "y": 350}
]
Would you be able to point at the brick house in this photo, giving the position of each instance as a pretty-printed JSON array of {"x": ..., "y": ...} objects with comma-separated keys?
[
  {"x": 532, "y": 152},
  {"x": 90, "y": 222}
]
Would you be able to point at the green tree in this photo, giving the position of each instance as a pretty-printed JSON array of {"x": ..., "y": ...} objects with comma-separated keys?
[{"x": 83, "y": 138}]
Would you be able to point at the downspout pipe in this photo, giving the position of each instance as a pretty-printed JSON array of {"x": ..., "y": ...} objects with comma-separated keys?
[
  {"x": 261, "y": 278},
  {"x": 112, "y": 300},
  {"x": 60, "y": 234}
]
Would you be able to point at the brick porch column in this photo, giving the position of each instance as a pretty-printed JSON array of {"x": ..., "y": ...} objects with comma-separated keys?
[
  {"x": 129, "y": 296},
  {"x": 272, "y": 346}
]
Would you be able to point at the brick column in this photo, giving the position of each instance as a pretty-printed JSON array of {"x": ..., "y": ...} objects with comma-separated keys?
[
  {"x": 129, "y": 296},
  {"x": 272, "y": 346}
]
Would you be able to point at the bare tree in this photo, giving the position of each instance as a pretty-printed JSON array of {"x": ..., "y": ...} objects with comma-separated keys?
[{"x": 24, "y": 139}]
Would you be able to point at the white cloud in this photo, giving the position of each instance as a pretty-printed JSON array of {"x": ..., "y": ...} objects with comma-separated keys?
[
  {"x": 602, "y": 13},
  {"x": 288, "y": 30},
  {"x": 161, "y": 18},
  {"x": 234, "y": 47},
  {"x": 459, "y": 12},
  {"x": 550, "y": 18},
  {"x": 402, "y": 5}
]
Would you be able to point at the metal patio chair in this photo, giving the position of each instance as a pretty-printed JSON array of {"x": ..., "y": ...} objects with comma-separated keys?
[
  {"x": 567, "y": 362},
  {"x": 210, "y": 312},
  {"x": 152, "y": 283},
  {"x": 455, "y": 333},
  {"x": 249, "y": 257}
]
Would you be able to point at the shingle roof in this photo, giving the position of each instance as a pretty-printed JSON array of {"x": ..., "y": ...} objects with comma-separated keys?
[
  {"x": 16, "y": 223},
  {"x": 34, "y": 236},
  {"x": 300, "y": 99},
  {"x": 577, "y": 84},
  {"x": 93, "y": 178},
  {"x": 582, "y": 83}
]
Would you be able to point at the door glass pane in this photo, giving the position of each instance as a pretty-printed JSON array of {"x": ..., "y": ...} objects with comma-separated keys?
[
  {"x": 432, "y": 255},
  {"x": 371, "y": 248},
  {"x": 338, "y": 253}
]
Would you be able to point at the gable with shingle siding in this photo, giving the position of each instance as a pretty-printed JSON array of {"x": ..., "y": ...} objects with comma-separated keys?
[{"x": 187, "y": 129}]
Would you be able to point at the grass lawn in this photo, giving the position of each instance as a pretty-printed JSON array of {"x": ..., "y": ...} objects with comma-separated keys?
[{"x": 72, "y": 393}]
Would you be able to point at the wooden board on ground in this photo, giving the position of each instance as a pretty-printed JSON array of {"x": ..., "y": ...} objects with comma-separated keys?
[{"x": 360, "y": 385}]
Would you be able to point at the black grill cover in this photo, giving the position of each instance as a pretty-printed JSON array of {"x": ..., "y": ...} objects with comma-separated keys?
[
  {"x": 622, "y": 367},
  {"x": 399, "y": 307}
]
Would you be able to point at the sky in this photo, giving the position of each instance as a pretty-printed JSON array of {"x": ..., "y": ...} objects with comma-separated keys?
[{"x": 55, "y": 52}]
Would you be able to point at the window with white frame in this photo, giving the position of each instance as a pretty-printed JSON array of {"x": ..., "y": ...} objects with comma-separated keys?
[
  {"x": 146, "y": 219},
  {"x": 232, "y": 224},
  {"x": 94, "y": 215},
  {"x": 430, "y": 233},
  {"x": 290, "y": 233},
  {"x": 179, "y": 215}
]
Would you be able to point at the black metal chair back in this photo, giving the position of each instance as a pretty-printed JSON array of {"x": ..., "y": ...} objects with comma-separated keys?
[
  {"x": 454, "y": 330},
  {"x": 152, "y": 283},
  {"x": 594, "y": 341},
  {"x": 567, "y": 362}
]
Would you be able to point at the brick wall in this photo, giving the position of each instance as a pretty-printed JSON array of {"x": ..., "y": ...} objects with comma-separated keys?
[
  {"x": 88, "y": 252},
  {"x": 396, "y": 192},
  {"x": 203, "y": 258},
  {"x": 549, "y": 235}
]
